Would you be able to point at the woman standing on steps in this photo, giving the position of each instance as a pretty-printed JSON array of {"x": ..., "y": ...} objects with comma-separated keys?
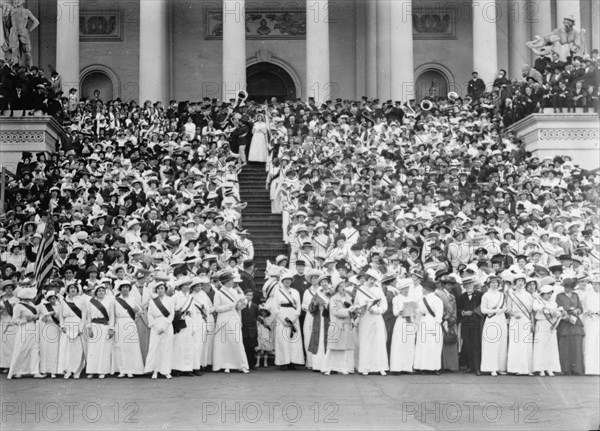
[{"x": 259, "y": 150}]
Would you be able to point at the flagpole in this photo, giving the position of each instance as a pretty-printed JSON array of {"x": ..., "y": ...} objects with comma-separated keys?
[{"x": 2, "y": 188}]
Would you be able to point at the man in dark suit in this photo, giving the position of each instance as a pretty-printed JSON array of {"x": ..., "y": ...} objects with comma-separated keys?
[
  {"x": 469, "y": 315},
  {"x": 249, "y": 328},
  {"x": 299, "y": 281},
  {"x": 247, "y": 276},
  {"x": 476, "y": 87}
]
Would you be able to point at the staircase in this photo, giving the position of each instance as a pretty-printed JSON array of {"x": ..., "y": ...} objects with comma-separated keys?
[{"x": 263, "y": 226}]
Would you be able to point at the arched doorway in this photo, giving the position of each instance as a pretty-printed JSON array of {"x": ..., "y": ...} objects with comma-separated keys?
[
  {"x": 266, "y": 80},
  {"x": 101, "y": 78},
  {"x": 431, "y": 83}
]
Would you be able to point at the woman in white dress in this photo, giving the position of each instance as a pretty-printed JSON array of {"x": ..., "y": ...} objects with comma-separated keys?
[
  {"x": 545, "y": 348},
  {"x": 402, "y": 353},
  {"x": 161, "y": 310},
  {"x": 430, "y": 340},
  {"x": 49, "y": 311},
  {"x": 520, "y": 328},
  {"x": 100, "y": 332},
  {"x": 288, "y": 338},
  {"x": 183, "y": 340},
  {"x": 127, "y": 352},
  {"x": 312, "y": 277},
  {"x": 72, "y": 317},
  {"x": 259, "y": 149},
  {"x": 228, "y": 351},
  {"x": 372, "y": 337},
  {"x": 591, "y": 323},
  {"x": 340, "y": 335},
  {"x": 495, "y": 331},
  {"x": 208, "y": 325},
  {"x": 319, "y": 311},
  {"x": 26, "y": 355},
  {"x": 8, "y": 331},
  {"x": 199, "y": 316}
]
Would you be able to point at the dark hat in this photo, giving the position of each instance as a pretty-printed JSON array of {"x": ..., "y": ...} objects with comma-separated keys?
[
  {"x": 225, "y": 277},
  {"x": 248, "y": 263}
]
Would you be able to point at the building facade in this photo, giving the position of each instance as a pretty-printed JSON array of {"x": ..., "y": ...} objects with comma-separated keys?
[{"x": 327, "y": 49}]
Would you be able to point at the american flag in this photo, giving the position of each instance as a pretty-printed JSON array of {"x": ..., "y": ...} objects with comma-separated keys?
[{"x": 45, "y": 257}]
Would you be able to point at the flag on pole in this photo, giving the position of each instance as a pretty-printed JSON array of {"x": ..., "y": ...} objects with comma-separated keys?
[{"x": 45, "y": 258}]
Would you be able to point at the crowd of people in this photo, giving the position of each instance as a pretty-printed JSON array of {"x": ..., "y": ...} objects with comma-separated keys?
[{"x": 420, "y": 240}]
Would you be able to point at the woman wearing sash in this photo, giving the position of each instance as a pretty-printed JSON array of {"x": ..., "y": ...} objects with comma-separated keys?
[
  {"x": 402, "y": 353},
  {"x": 430, "y": 339},
  {"x": 8, "y": 332},
  {"x": 312, "y": 277},
  {"x": 319, "y": 310},
  {"x": 372, "y": 354},
  {"x": 547, "y": 316},
  {"x": 141, "y": 295},
  {"x": 591, "y": 323},
  {"x": 520, "y": 328},
  {"x": 228, "y": 351},
  {"x": 26, "y": 355},
  {"x": 570, "y": 330},
  {"x": 199, "y": 315},
  {"x": 340, "y": 342},
  {"x": 286, "y": 325},
  {"x": 183, "y": 341},
  {"x": 495, "y": 331},
  {"x": 161, "y": 310},
  {"x": 101, "y": 330},
  {"x": 208, "y": 324},
  {"x": 71, "y": 359},
  {"x": 49, "y": 309},
  {"x": 127, "y": 353}
]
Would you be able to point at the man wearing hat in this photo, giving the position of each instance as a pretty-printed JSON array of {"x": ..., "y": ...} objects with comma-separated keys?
[
  {"x": 470, "y": 319},
  {"x": 250, "y": 315}
]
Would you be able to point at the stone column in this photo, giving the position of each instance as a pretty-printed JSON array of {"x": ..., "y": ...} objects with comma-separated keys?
[
  {"x": 384, "y": 46},
  {"x": 485, "y": 50},
  {"x": 318, "y": 79},
  {"x": 540, "y": 15},
  {"x": 154, "y": 51},
  {"x": 67, "y": 43},
  {"x": 568, "y": 7},
  {"x": 234, "y": 48},
  {"x": 401, "y": 58},
  {"x": 518, "y": 35},
  {"x": 371, "y": 49}
]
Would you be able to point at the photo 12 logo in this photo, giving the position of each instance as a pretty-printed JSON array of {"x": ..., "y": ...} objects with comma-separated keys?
[
  {"x": 268, "y": 411},
  {"x": 71, "y": 412}
]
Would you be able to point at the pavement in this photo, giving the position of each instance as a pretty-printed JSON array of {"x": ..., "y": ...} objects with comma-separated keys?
[{"x": 282, "y": 400}]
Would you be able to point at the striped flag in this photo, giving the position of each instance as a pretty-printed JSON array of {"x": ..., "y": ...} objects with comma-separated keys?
[{"x": 45, "y": 256}]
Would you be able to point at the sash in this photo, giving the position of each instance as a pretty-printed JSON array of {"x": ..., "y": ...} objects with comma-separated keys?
[
  {"x": 428, "y": 307},
  {"x": 227, "y": 295},
  {"x": 9, "y": 308},
  {"x": 270, "y": 289},
  {"x": 323, "y": 246},
  {"x": 361, "y": 290},
  {"x": 161, "y": 307},
  {"x": 201, "y": 310},
  {"x": 50, "y": 308},
  {"x": 499, "y": 305},
  {"x": 74, "y": 308},
  {"x": 352, "y": 234},
  {"x": 288, "y": 299},
  {"x": 126, "y": 306},
  {"x": 100, "y": 307},
  {"x": 519, "y": 303},
  {"x": 184, "y": 310},
  {"x": 29, "y": 307},
  {"x": 308, "y": 259}
]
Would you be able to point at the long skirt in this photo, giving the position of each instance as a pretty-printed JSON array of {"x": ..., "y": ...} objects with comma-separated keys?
[
  {"x": 402, "y": 355},
  {"x": 183, "y": 348},
  {"x": 520, "y": 346},
  {"x": 228, "y": 350},
  {"x": 208, "y": 329},
  {"x": 160, "y": 351},
  {"x": 494, "y": 344},
  {"x": 288, "y": 347},
  {"x": 7, "y": 342},
  {"x": 341, "y": 361},
  {"x": 570, "y": 350},
  {"x": 428, "y": 348},
  {"x": 143, "y": 331},
  {"x": 49, "y": 347},
  {"x": 26, "y": 355},
  {"x": 99, "y": 351},
  {"x": 591, "y": 350},
  {"x": 71, "y": 358},
  {"x": 450, "y": 356},
  {"x": 318, "y": 359},
  {"x": 545, "y": 348},
  {"x": 198, "y": 341},
  {"x": 127, "y": 354},
  {"x": 307, "y": 330},
  {"x": 372, "y": 338}
]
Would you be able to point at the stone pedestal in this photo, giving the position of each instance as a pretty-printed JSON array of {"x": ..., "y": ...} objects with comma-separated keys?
[
  {"x": 33, "y": 134},
  {"x": 549, "y": 135}
]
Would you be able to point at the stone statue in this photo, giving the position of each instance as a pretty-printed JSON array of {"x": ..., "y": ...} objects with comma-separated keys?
[
  {"x": 565, "y": 41},
  {"x": 15, "y": 41}
]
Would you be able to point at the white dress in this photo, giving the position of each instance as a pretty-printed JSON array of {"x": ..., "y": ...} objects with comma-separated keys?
[
  {"x": 160, "y": 349},
  {"x": 70, "y": 352},
  {"x": 100, "y": 346},
  {"x": 430, "y": 340},
  {"x": 127, "y": 352},
  {"x": 494, "y": 340},
  {"x": 545, "y": 346},
  {"x": 591, "y": 323},
  {"x": 183, "y": 341},
  {"x": 198, "y": 316},
  {"x": 520, "y": 333},
  {"x": 402, "y": 352},
  {"x": 259, "y": 150},
  {"x": 49, "y": 338},
  {"x": 317, "y": 359},
  {"x": 372, "y": 335},
  {"x": 9, "y": 331},
  {"x": 308, "y": 322},
  {"x": 26, "y": 355},
  {"x": 288, "y": 347},
  {"x": 208, "y": 328},
  {"x": 228, "y": 350}
]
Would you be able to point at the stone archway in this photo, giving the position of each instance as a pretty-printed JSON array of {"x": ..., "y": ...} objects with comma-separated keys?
[
  {"x": 101, "y": 78},
  {"x": 432, "y": 80},
  {"x": 265, "y": 80}
]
